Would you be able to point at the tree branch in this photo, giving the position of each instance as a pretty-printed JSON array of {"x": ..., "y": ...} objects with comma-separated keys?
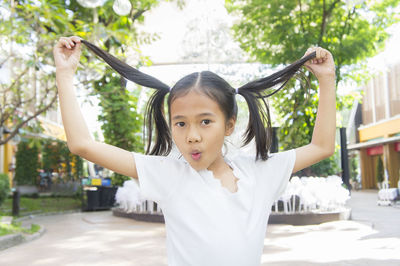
[
  {"x": 301, "y": 18},
  {"x": 325, "y": 15},
  {"x": 138, "y": 14},
  {"x": 5, "y": 60},
  {"x": 18, "y": 78},
  {"x": 20, "y": 125}
]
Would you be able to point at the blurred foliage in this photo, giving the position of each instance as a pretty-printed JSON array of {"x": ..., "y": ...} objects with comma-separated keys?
[
  {"x": 31, "y": 29},
  {"x": 380, "y": 170},
  {"x": 16, "y": 227},
  {"x": 4, "y": 187},
  {"x": 279, "y": 32},
  {"x": 122, "y": 123},
  {"x": 27, "y": 163},
  {"x": 354, "y": 167},
  {"x": 41, "y": 204},
  {"x": 57, "y": 157},
  {"x": 328, "y": 166}
]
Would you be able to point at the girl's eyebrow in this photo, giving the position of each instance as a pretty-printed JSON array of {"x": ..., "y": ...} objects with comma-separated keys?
[{"x": 202, "y": 114}]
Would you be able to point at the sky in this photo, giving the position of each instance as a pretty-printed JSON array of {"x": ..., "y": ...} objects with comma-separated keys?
[{"x": 170, "y": 23}]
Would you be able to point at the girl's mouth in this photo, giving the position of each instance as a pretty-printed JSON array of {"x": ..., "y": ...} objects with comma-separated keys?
[{"x": 196, "y": 156}]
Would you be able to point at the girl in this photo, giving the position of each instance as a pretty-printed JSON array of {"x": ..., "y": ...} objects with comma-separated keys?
[{"x": 216, "y": 208}]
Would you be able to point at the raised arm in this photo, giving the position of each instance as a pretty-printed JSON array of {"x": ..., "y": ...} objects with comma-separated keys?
[
  {"x": 323, "y": 139},
  {"x": 79, "y": 140}
]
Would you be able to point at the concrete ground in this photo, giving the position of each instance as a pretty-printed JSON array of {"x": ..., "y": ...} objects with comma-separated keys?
[{"x": 99, "y": 238}]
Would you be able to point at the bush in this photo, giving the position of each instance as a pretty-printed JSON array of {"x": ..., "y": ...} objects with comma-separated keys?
[
  {"x": 27, "y": 163},
  {"x": 4, "y": 187},
  {"x": 57, "y": 157}
]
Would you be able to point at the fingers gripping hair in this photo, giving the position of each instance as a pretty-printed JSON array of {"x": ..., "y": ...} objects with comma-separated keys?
[
  {"x": 255, "y": 93},
  {"x": 154, "y": 108}
]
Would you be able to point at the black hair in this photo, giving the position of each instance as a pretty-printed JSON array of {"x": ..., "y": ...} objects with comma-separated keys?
[{"x": 215, "y": 87}]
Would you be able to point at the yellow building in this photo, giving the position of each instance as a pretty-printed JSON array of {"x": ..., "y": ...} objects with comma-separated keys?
[{"x": 378, "y": 129}]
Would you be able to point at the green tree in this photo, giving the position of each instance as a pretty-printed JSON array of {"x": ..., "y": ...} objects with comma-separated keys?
[
  {"x": 33, "y": 78},
  {"x": 26, "y": 44},
  {"x": 115, "y": 34},
  {"x": 31, "y": 90},
  {"x": 279, "y": 32},
  {"x": 78, "y": 171},
  {"x": 122, "y": 123}
]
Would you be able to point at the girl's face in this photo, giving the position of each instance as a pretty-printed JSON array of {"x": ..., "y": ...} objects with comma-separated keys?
[{"x": 198, "y": 129}]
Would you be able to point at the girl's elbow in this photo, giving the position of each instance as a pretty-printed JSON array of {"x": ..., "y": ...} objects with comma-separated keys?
[
  {"x": 75, "y": 149},
  {"x": 329, "y": 151}
]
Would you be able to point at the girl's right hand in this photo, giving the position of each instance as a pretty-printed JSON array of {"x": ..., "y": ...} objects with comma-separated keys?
[
  {"x": 322, "y": 66},
  {"x": 67, "y": 53}
]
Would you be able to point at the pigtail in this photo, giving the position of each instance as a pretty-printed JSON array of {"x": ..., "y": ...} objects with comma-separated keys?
[
  {"x": 155, "y": 105},
  {"x": 255, "y": 93},
  {"x": 126, "y": 70},
  {"x": 155, "y": 112}
]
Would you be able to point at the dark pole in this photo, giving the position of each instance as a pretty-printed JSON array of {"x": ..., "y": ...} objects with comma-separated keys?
[
  {"x": 15, "y": 203},
  {"x": 275, "y": 141},
  {"x": 344, "y": 157}
]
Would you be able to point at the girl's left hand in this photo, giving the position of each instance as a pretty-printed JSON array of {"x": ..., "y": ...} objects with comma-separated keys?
[{"x": 322, "y": 66}]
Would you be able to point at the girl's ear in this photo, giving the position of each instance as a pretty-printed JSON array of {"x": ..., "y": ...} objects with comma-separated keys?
[{"x": 230, "y": 126}]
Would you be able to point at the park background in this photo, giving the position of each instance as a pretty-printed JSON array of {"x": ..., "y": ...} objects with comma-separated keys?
[{"x": 240, "y": 40}]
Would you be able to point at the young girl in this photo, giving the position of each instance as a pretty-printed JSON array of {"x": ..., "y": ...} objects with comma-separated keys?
[{"x": 216, "y": 208}]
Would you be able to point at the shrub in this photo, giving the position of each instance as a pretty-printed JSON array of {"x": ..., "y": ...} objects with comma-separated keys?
[
  {"x": 27, "y": 163},
  {"x": 4, "y": 187}
]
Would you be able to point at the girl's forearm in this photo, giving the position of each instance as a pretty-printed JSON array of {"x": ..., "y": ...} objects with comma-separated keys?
[
  {"x": 74, "y": 123},
  {"x": 325, "y": 123}
]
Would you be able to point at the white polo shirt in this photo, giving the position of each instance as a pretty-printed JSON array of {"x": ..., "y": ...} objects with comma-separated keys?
[{"x": 206, "y": 224}]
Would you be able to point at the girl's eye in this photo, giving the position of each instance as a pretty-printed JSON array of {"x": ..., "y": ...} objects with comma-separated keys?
[
  {"x": 180, "y": 124},
  {"x": 206, "y": 121}
]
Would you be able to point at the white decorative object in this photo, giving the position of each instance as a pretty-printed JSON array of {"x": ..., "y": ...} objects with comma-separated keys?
[
  {"x": 386, "y": 195},
  {"x": 91, "y": 3},
  {"x": 122, "y": 7},
  {"x": 315, "y": 193},
  {"x": 128, "y": 196}
]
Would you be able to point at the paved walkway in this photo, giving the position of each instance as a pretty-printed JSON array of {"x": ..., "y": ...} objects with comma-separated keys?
[{"x": 99, "y": 238}]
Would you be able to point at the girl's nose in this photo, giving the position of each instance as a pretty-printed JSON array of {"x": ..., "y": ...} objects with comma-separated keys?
[{"x": 193, "y": 136}]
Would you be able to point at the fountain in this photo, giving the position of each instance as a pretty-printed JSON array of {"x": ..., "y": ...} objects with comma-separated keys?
[
  {"x": 306, "y": 200},
  {"x": 311, "y": 200}
]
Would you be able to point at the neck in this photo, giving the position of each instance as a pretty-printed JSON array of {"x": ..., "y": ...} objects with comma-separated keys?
[{"x": 219, "y": 165}]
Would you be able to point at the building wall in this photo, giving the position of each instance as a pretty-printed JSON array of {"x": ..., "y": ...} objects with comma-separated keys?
[
  {"x": 381, "y": 126},
  {"x": 394, "y": 90}
]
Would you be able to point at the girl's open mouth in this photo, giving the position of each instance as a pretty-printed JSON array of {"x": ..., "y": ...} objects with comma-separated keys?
[{"x": 196, "y": 156}]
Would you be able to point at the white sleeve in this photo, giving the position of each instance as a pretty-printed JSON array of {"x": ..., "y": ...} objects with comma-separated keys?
[
  {"x": 274, "y": 174},
  {"x": 158, "y": 176}
]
